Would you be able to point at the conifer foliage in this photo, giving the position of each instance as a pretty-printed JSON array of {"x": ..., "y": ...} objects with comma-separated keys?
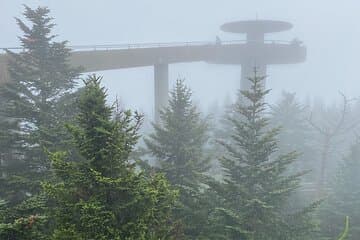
[
  {"x": 67, "y": 168},
  {"x": 32, "y": 109},
  {"x": 295, "y": 132},
  {"x": 256, "y": 187},
  {"x": 177, "y": 145},
  {"x": 101, "y": 195}
]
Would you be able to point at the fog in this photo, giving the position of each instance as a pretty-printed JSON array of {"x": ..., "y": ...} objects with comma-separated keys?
[
  {"x": 194, "y": 158},
  {"x": 329, "y": 29}
]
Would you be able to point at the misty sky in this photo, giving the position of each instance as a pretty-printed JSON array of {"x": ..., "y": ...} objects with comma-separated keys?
[{"x": 329, "y": 28}]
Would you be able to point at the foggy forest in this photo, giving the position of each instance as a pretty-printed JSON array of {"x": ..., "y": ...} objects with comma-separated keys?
[{"x": 159, "y": 120}]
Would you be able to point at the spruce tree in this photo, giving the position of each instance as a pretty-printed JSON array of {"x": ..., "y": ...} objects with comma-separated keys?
[
  {"x": 178, "y": 145},
  {"x": 296, "y": 133},
  {"x": 256, "y": 187},
  {"x": 102, "y": 194},
  {"x": 41, "y": 82}
]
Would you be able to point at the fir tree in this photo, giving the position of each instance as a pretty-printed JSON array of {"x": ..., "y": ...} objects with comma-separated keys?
[
  {"x": 177, "y": 145},
  {"x": 24, "y": 228},
  {"x": 101, "y": 195},
  {"x": 296, "y": 133},
  {"x": 256, "y": 188},
  {"x": 41, "y": 83}
]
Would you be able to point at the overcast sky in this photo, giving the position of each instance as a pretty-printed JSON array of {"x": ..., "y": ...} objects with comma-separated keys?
[{"x": 329, "y": 28}]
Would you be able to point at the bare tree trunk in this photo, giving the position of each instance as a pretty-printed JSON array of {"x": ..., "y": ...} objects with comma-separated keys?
[{"x": 323, "y": 166}]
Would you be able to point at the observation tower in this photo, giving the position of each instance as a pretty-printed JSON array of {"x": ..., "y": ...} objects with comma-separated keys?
[
  {"x": 255, "y": 51},
  {"x": 258, "y": 51}
]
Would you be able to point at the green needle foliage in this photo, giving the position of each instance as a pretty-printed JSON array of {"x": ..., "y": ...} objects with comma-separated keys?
[
  {"x": 24, "y": 228},
  {"x": 177, "y": 145},
  {"x": 256, "y": 186},
  {"x": 101, "y": 194},
  {"x": 32, "y": 105},
  {"x": 296, "y": 133}
]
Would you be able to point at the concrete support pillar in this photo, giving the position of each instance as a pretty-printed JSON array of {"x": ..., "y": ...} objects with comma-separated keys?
[
  {"x": 161, "y": 87},
  {"x": 247, "y": 70},
  {"x": 255, "y": 37}
]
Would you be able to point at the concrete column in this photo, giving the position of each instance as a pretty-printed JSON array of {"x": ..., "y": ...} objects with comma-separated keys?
[
  {"x": 161, "y": 87},
  {"x": 255, "y": 37}
]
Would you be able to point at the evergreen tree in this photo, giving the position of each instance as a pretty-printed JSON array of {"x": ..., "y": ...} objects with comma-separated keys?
[
  {"x": 24, "y": 228},
  {"x": 296, "y": 133},
  {"x": 177, "y": 144},
  {"x": 102, "y": 195},
  {"x": 256, "y": 188},
  {"x": 345, "y": 198},
  {"x": 219, "y": 132},
  {"x": 32, "y": 109}
]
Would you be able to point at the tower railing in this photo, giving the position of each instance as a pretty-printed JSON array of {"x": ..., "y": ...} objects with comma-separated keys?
[{"x": 160, "y": 45}]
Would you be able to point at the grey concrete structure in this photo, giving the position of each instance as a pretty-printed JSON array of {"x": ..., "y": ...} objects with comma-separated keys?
[
  {"x": 255, "y": 38},
  {"x": 254, "y": 51},
  {"x": 161, "y": 80}
]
